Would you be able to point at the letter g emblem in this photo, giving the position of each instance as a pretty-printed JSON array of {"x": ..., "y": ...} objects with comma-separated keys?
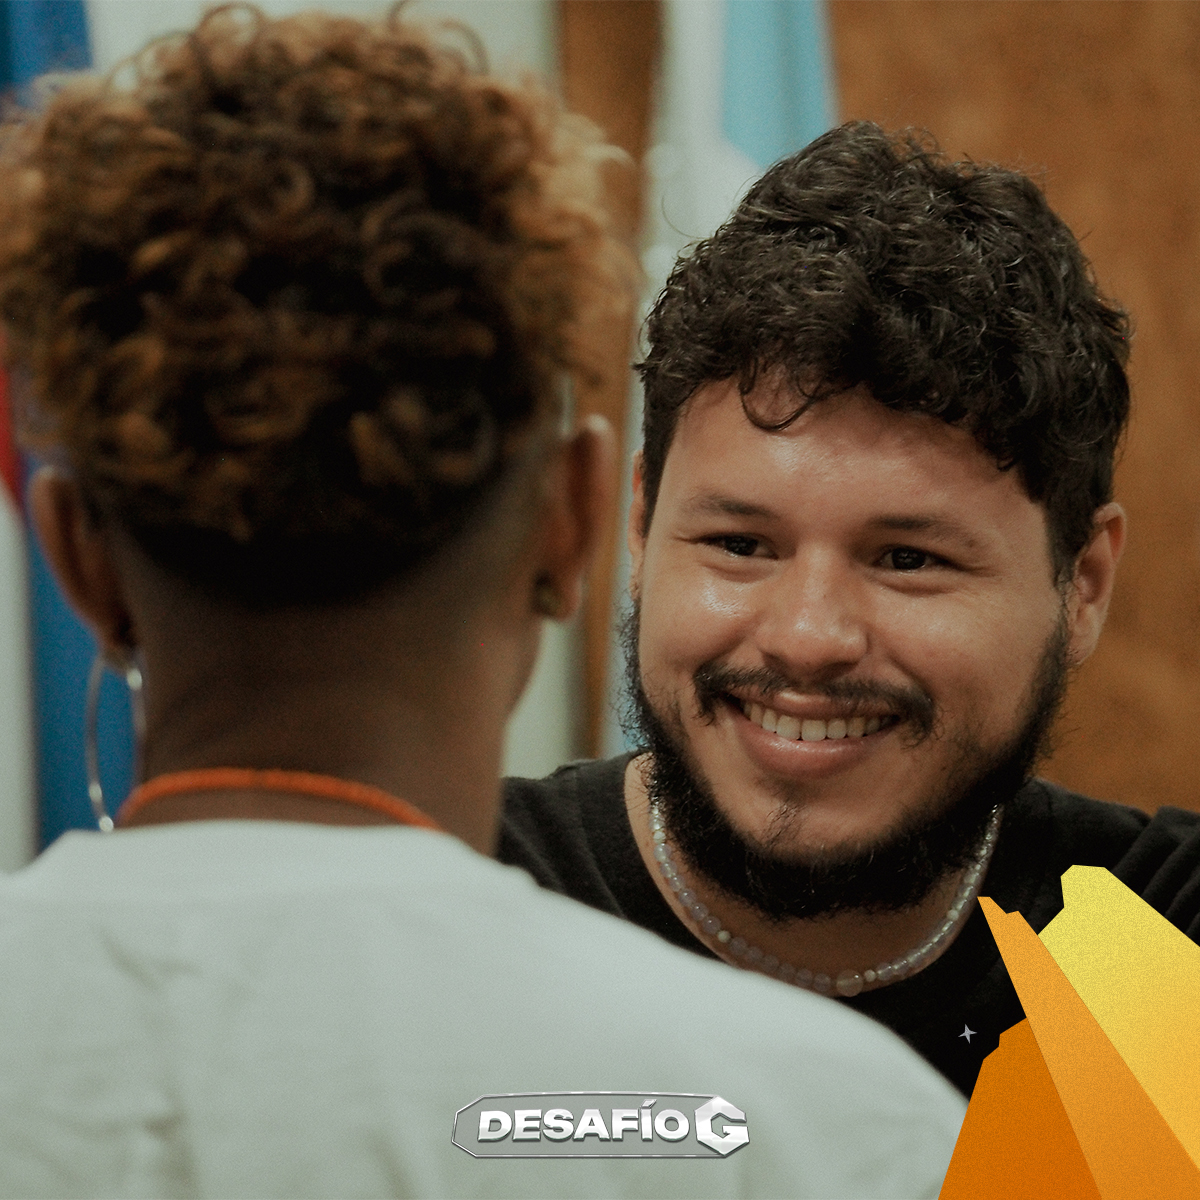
[{"x": 734, "y": 1135}]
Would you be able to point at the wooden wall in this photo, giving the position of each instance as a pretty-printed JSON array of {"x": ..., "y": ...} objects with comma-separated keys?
[
  {"x": 1101, "y": 102},
  {"x": 608, "y": 55}
]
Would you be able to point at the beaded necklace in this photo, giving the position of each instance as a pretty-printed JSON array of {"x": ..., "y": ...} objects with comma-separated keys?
[{"x": 849, "y": 982}]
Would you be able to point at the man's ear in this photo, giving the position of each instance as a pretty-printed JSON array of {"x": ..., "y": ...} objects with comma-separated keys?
[
  {"x": 635, "y": 538},
  {"x": 1092, "y": 583},
  {"x": 580, "y": 504},
  {"x": 79, "y": 555}
]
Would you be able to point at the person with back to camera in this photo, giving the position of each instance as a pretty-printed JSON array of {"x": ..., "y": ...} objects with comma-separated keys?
[{"x": 290, "y": 317}]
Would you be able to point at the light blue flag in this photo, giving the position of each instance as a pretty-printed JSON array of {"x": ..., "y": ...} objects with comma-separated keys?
[{"x": 776, "y": 92}]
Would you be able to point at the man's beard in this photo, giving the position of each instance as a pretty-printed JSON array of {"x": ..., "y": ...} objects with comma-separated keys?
[{"x": 899, "y": 869}]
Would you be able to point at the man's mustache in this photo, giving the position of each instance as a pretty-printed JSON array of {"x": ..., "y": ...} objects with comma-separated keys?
[{"x": 713, "y": 681}]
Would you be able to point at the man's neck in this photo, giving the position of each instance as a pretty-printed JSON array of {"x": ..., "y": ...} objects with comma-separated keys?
[{"x": 850, "y": 941}]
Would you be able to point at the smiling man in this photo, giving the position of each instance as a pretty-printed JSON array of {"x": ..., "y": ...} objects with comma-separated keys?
[{"x": 872, "y": 532}]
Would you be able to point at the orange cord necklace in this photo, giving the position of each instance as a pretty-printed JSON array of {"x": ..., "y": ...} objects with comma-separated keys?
[{"x": 245, "y": 779}]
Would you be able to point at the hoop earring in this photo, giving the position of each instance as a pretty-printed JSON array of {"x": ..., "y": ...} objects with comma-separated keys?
[{"x": 132, "y": 674}]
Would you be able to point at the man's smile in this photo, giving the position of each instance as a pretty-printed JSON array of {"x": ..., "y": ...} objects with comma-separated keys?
[
  {"x": 813, "y": 720},
  {"x": 796, "y": 743}
]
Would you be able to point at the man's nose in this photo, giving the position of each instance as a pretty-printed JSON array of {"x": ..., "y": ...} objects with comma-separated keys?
[{"x": 812, "y": 620}]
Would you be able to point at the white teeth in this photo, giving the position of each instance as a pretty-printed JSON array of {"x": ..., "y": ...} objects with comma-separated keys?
[
  {"x": 790, "y": 728},
  {"x": 810, "y": 730}
]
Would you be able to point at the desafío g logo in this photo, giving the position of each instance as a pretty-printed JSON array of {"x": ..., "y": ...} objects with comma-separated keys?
[{"x": 600, "y": 1125}]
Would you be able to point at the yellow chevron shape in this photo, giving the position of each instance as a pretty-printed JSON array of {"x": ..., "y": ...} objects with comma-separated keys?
[
  {"x": 1130, "y": 1150},
  {"x": 1139, "y": 977}
]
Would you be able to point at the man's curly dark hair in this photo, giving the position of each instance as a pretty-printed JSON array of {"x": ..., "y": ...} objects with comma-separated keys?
[
  {"x": 290, "y": 303},
  {"x": 946, "y": 288}
]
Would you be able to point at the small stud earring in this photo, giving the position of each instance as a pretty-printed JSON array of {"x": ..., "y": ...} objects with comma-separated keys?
[{"x": 547, "y": 601}]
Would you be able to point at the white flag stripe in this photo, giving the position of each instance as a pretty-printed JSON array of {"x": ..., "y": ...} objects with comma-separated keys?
[{"x": 17, "y": 805}]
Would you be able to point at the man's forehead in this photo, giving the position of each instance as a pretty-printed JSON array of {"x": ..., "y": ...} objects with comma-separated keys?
[
  {"x": 850, "y": 462},
  {"x": 716, "y": 424}
]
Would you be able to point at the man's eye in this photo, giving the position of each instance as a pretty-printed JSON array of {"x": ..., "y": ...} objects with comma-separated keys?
[
  {"x": 905, "y": 558},
  {"x": 737, "y": 544}
]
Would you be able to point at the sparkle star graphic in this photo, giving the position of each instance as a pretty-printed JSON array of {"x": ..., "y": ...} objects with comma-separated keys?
[{"x": 967, "y": 1033}]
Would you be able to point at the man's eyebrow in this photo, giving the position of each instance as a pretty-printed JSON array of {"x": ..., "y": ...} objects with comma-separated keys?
[
  {"x": 938, "y": 526},
  {"x": 719, "y": 505}
]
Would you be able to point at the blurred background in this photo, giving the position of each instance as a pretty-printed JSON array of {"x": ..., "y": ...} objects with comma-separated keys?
[{"x": 1096, "y": 99}]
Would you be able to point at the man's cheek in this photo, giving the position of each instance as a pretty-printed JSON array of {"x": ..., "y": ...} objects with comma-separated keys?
[{"x": 703, "y": 621}]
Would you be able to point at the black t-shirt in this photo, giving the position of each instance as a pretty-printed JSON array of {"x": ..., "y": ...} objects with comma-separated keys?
[{"x": 571, "y": 832}]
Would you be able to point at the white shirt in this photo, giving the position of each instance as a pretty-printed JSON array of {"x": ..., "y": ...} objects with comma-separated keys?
[{"x": 252, "y": 1008}]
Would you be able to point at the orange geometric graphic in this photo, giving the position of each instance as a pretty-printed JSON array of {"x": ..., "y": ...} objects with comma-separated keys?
[
  {"x": 1129, "y": 1149},
  {"x": 1017, "y": 1142}
]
